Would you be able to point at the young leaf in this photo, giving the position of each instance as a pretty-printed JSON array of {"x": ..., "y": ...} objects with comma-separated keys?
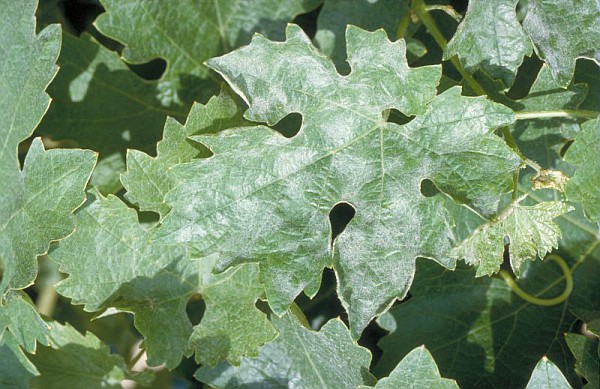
[
  {"x": 190, "y": 32},
  {"x": 547, "y": 375},
  {"x": 266, "y": 198},
  {"x": 584, "y": 186},
  {"x": 530, "y": 230},
  {"x": 298, "y": 357},
  {"x": 562, "y": 31},
  {"x": 73, "y": 360},
  {"x": 416, "y": 370},
  {"x": 36, "y": 202},
  {"x": 491, "y": 37}
]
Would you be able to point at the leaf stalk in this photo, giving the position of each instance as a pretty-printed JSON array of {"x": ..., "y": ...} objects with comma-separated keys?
[
  {"x": 560, "y": 113},
  {"x": 422, "y": 12}
]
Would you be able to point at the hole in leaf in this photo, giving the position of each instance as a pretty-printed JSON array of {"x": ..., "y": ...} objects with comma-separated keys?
[
  {"x": 325, "y": 305},
  {"x": 564, "y": 148},
  {"x": 152, "y": 70},
  {"x": 339, "y": 217},
  {"x": 195, "y": 309},
  {"x": 289, "y": 125},
  {"x": 148, "y": 217},
  {"x": 395, "y": 116},
  {"x": 428, "y": 188},
  {"x": 263, "y": 306}
]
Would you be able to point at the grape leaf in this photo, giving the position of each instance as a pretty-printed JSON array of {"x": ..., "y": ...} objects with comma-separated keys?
[
  {"x": 100, "y": 104},
  {"x": 18, "y": 315},
  {"x": 587, "y": 356},
  {"x": 190, "y": 32},
  {"x": 368, "y": 15},
  {"x": 547, "y": 375},
  {"x": 266, "y": 198},
  {"x": 491, "y": 37},
  {"x": 563, "y": 31},
  {"x": 530, "y": 231},
  {"x": 476, "y": 328},
  {"x": 15, "y": 368},
  {"x": 416, "y": 370},
  {"x": 36, "y": 202},
  {"x": 148, "y": 179},
  {"x": 111, "y": 263},
  {"x": 584, "y": 186},
  {"x": 298, "y": 358},
  {"x": 76, "y": 360}
]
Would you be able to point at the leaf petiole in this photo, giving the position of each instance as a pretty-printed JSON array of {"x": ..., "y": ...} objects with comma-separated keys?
[
  {"x": 541, "y": 301},
  {"x": 422, "y": 12},
  {"x": 560, "y": 113}
]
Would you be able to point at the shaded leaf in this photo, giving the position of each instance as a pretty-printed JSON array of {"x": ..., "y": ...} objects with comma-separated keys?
[
  {"x": 19, "y": 317},
  {"x": 587, "y": 357},
  {"x": 74, "y": 360},
  {"x": 562, "y": 31},
  {"x": 368, "y": 15},
  {"x": 584, "y": 186},
  {"x": 490, "y": 37},
  {"x": 476, "y": 328},
  {"x": 187, "y": 33},
  {"x": 100, "y": 104}
]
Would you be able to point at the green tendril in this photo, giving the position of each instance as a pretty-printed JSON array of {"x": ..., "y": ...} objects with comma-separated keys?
[{"x": 540, "y": 301}]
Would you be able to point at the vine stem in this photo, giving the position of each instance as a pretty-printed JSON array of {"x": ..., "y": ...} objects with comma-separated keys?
[
  {"x": 560, "y": 113},
  {"x": 421, "y": 10},
  {"x": 541, "y": 301}
]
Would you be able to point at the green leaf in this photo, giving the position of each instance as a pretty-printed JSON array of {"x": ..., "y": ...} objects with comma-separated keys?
[
  {"x": 263, "y": 197},
  {"x": 187, "y": 33},
  {"x": 368, "y": 15},
  {"x": 100, "y": 104},
  {"x": 18, "y": 315},
  {"x": 299, "y": 358},
  {"x": 476, "y": 328},
  {"x": 111, "y": 262},
  {"x": 416, "y": 370},
  {"x": 530, "y": 230},
  {"x": 562, "y": 31},
  {"x": 15, "y": 368},
  {"x": 148, "y": 179},
  {"x": 491, "y": 38},
  {"x": 36, "y": 202},
  {"x": 73, "y": 360},
  {"x": 587, "y": 356},
  {"x": 584, "y": 186},
  {"x": 547, "y": 376}
]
